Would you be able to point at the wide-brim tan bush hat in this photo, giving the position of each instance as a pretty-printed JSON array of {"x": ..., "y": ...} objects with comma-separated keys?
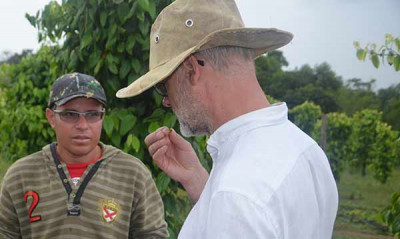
[{"x": 188, "y": 26}]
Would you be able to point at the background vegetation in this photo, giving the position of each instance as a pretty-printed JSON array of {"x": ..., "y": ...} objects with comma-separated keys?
[{"x": 109, "y": 39}]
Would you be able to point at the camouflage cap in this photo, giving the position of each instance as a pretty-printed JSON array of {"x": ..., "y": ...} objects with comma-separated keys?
[{"x": 73, "y": 85}]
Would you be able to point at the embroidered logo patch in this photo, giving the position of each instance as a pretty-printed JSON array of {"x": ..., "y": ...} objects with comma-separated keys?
[{"x": 109, "y": 210}]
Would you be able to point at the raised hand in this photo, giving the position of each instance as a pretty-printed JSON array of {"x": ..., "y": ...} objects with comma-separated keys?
[{"x": 176, "y": 157}]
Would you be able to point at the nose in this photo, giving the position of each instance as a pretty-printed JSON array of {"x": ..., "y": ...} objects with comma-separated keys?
[
  {"x": 166, "y": 102},
  {"x": 82, "y": 123}
]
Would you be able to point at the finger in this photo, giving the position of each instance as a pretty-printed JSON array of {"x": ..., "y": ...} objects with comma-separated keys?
[
  {"x": 155, "y": 136},
  {"x": 178, "y": 140},
  {"x": 158, "y": 144},
  {"x": 160, "y": 159}
]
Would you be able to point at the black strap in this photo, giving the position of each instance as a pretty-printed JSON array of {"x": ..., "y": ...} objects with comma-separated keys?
[
  {"x": 67, "y": 186},
  {"x": 74, "y": 210},
  {"x": 88, "y": 177}
]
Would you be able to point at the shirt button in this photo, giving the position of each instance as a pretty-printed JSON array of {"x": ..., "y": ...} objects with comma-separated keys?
[
  {"x": 65, "y": 180},
  {"x": 59, "y": 166},
  {"x": 73, "y": 195}
]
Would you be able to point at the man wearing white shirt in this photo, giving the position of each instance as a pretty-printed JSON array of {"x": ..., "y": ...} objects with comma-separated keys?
[{"x": 269, "y": 179}]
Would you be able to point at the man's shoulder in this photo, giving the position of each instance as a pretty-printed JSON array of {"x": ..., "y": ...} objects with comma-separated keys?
[
  {"x": 28, "y": 163},
  {"x": 32, "y": 159},
  {"x": 123, "y": 160}
]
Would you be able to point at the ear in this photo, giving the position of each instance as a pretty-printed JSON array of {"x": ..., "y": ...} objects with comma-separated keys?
[
  {"x": 50, "y": 117},
  {"x": 195, "y": 70}
]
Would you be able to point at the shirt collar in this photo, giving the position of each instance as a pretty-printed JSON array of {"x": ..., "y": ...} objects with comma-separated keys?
[{"x": 271, "y": 115}]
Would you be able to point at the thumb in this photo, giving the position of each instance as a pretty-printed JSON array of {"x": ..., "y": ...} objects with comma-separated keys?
[{"x": 177, "y": 140}]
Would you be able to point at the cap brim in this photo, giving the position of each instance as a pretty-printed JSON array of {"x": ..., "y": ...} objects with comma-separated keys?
[
  {"x": 66, "y": 99},
  {"x": 261, "y": 40}
]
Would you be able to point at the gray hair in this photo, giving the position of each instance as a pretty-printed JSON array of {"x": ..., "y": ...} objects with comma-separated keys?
[{"x": 221, "y": 58}]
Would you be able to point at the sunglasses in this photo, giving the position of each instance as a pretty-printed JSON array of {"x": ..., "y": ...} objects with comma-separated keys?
[
  {"x": 70, "y": 116},
  {"x": 160, "y": 87}
]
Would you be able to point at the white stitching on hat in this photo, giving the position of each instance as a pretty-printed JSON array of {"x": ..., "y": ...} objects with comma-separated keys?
[
  {"x": 77, "y": 81},
  {"x": 189, "y": 22}
]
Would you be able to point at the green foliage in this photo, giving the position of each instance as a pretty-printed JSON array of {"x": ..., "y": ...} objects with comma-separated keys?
[
  {"x": 363, "y": 137},
  {"x": 305, "y": 116},
  {"x": 391, "y": 215},
  {"x": 356, "y": 96},
  {"x": 389, "y": 52},
  {"x": 319, "y": 84},
  {"x": 338, "y": 132},
  {"x": 397, "y": 152},
  {"x": 269, "y": 67},
  {"x": 272, "y": 100},
  {"x": 24, "y": 128},
  {"x": 372, "y": 144},
  {"x": 389, "y": 99},
  {"x": 383, "y": 152}
]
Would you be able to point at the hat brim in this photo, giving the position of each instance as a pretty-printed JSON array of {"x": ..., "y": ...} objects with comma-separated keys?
[
  {"x": 261, "y": 40},
  {"x": 66, "y": 99}
]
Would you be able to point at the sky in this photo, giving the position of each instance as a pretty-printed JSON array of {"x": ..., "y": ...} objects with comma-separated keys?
[{"x": 324, "y": 31}]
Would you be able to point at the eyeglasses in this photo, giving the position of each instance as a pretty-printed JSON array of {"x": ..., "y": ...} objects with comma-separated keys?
[
  {"x": 160, "y": 87},
  {"x": 70, "y": 116}
]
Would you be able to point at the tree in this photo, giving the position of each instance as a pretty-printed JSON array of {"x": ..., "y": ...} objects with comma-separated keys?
[
  {"x": 15, "y": 58},
  {"x": 390, "y": 215},
  {"x": 383, "y": 152},
  {"x": 373, "y": 144},
  {"x": 269, "y": 67},
  {"x": 363, "y": 138},
  {"x": 338, "y": 132},
  {"x": 319, "y": 85},
  {"x": 356, "y": 96},
  {"x": 305, "y": 116},
  {"x": 24, "y": 128},
  {"x": 390, "y": 52},
  {"x": 389, "y": 100}
]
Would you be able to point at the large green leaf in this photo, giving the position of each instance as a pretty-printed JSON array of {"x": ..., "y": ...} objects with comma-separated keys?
[
  {"x": 144, "y": 4},
  {"x": 360, "y": 54},
  {"x": 135, "y": 143},
  {"x": 116, "y": 139},
  {"x": 375, "y": 60},
  {"x": 397, "y": 42},
  {"x": 103, "y": 18},
  {"x": 136, "y": 65},
  {"x": 396, "y": 63},
  {"x": 153, "y": 127},
  {"x": 130, "y": 44},
  {"x": 94, "y": 59},
  {"x": 125, "y": 68},
  {"x": 108, "y": 125},
  {"x": 86, "y": 39},
  {"x": 127, "y": 123},
  {"x": 31, "y": 19},
  {"x": 162, "y": 181},
  {"x": 123, "y": 11},
  {"x": 113, "y": 68}
]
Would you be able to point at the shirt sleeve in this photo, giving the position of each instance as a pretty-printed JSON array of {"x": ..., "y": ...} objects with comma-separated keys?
[
  {"x": 147, "y": 217},
  {"x": 9, "y": 223},
  {"x": 232, "y": 215}
]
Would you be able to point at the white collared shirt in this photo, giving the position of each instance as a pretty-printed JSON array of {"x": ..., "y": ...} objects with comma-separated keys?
[{"x": 269, "y": 180}]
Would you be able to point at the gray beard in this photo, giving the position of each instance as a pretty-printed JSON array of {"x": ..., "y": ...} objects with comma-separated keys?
[
  {"x": 193, "y": 126},
  {"x": 188, "y": 131}
]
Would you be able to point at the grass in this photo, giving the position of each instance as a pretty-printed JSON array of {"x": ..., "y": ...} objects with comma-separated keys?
[{"x": 360, "y": 201}]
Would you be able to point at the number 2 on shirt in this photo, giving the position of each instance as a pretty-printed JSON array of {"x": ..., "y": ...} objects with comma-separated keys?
[{"x": 35, "y": 201}]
